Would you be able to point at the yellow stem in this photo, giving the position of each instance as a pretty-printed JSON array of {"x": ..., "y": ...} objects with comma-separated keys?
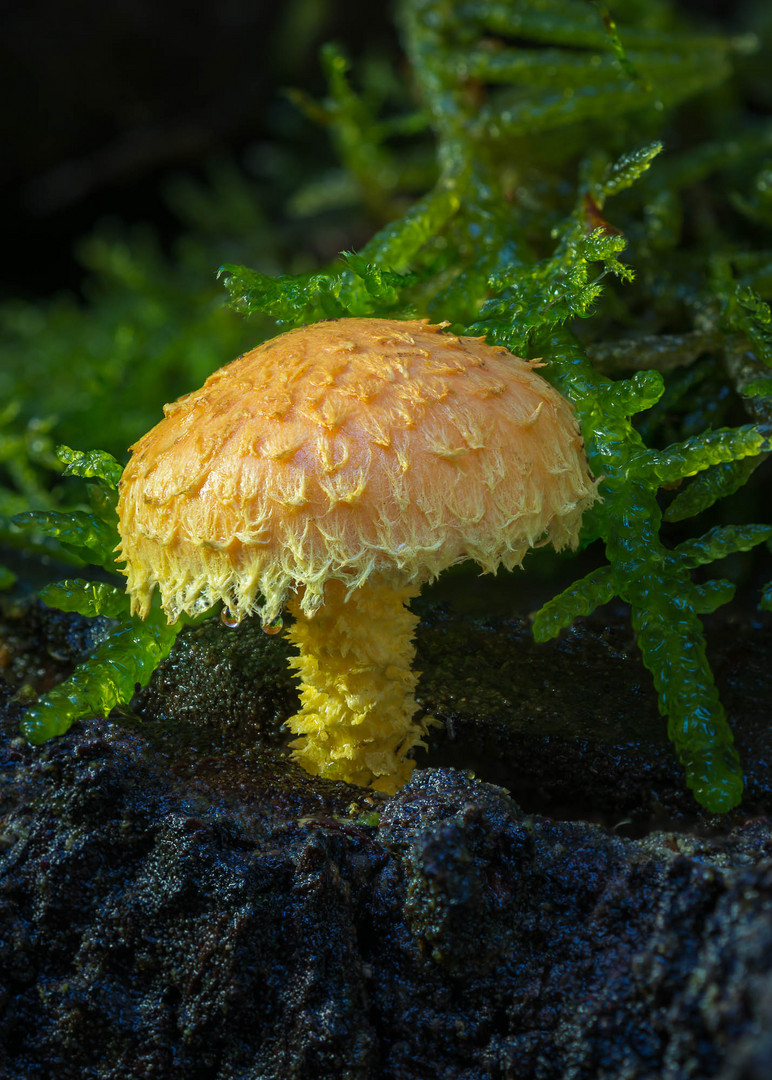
[{"x": 357, "y": 686}]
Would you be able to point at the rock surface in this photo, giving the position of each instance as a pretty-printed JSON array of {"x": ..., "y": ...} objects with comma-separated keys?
[{"x": 178, "y": 901}]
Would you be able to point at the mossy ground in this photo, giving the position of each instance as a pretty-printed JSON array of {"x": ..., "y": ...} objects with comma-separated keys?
[{"x": 571, "y": 726}]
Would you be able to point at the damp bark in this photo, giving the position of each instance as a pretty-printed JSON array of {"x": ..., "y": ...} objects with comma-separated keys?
[{"x": 542, "y": 900}]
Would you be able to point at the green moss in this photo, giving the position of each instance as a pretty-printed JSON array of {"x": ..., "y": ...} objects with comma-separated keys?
[{"x": 577, "y": 212}]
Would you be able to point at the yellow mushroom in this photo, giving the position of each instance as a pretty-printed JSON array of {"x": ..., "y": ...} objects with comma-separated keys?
[{"x": 336, "y": 469}]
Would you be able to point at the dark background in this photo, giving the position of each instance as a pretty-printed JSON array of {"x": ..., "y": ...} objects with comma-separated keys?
[{"x": 100, "y": 103}]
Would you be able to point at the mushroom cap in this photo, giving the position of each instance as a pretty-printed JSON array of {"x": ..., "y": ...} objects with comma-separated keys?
[{"x": 346, "y": 449}]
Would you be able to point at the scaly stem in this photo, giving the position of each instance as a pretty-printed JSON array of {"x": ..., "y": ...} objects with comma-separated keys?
[{"x": 357, "y": 686}]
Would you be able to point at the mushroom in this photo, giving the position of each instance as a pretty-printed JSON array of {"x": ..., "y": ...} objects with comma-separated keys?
[{"x": 335, "y": 469}]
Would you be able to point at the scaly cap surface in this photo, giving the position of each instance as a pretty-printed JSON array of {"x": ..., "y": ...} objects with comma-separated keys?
[{"x": 345, "y": 449}]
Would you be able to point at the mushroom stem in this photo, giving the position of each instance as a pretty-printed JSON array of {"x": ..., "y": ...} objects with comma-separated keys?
[{"x": 357, "y": 686}]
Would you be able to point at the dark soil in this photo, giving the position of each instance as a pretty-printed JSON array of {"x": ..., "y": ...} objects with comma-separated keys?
[{"x": 177, "y": 900}]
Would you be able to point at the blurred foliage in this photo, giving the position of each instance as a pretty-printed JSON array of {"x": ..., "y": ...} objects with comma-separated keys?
[
  {"x": 578, "y": 181},
  {"x": 149, "y": 327}
]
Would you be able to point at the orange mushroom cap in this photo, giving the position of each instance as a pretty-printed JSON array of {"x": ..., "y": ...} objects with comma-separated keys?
[{"x": 342, "y": 450}]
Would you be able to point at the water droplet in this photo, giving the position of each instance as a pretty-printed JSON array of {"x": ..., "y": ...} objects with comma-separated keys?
[
  {"x": 274, "y": 626},
  {"x": 228, "y": 619}
]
